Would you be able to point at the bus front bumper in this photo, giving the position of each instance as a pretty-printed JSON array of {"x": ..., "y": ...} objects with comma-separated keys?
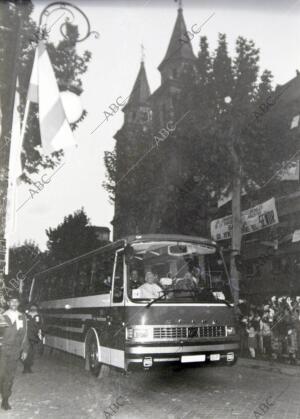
[{"x": 148, "y": 355}]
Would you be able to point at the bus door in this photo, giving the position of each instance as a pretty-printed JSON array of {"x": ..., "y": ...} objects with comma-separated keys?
[{"x": 117, "y": 313}]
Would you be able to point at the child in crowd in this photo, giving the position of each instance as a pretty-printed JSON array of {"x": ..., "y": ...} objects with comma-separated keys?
[{"x": 252, "y": 341}]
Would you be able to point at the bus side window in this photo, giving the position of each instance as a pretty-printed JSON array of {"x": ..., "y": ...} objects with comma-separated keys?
[
  {"x": 52, "y": 286},
  {"x": 101, "y": 274},
  {"x": 69, "y": 275},
  {"x": 61, "y": 283},
  {"x": 36, "y": 291},
  {"x": 118, "y": 290},
  {"x": 83, "y": 279},
  {"x": 43, "y": 288}
]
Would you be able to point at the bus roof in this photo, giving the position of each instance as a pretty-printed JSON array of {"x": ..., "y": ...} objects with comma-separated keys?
[
  {"x": 168, "y": 237},
  {"x": 130, "y": 240}
]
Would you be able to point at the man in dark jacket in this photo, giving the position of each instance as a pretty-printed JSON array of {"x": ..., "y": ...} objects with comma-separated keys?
[
  {"x": 14, "y": 345},
  {"x": 34, "y": 337}
]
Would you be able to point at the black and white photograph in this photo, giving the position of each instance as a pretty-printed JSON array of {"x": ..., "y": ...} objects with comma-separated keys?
[{"x": 149, "y": 209}]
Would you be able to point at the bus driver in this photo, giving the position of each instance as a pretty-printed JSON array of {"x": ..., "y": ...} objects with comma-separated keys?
[{"x": 149, "y": 289}]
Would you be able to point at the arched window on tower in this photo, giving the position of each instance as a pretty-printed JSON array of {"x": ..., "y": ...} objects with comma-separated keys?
[{"x": 145, "y": 115}]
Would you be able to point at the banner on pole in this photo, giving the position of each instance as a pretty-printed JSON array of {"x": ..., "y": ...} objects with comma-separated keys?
[{"x": 253, "y": 219}]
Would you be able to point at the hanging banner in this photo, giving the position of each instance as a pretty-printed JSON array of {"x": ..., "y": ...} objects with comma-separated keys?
[{"x": 253, "y": 219}]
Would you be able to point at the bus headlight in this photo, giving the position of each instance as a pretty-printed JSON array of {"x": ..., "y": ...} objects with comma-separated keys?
[
  {"x": 230, "y": 330},
  {"x": 137, "y": 333}
]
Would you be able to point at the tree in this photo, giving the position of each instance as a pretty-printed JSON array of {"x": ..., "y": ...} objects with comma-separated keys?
[
  {"x": 73, "y": 237},
  {"x": 236, "y": 149},
  {"x": 25, "y": 260}
]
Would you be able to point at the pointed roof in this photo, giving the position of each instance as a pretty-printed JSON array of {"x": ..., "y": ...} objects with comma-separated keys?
[
  {"x": 141, "y": 91},
  {"x": 180, "y": 45}
]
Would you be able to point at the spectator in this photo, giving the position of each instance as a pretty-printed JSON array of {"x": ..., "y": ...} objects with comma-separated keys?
[
  {"x": 273, "y": 328},
  {"x": 33, "y": 333},
  {"x": 252, "y": 342},
  {"x": 266, "y": 334},
  {"x": 14, "y": 346}
]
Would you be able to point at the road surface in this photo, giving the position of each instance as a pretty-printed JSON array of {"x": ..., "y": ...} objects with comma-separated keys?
[{"x": 61, "y": 388}]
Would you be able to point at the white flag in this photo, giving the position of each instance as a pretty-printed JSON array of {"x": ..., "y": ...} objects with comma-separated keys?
[{"x": 55, "y": 130}]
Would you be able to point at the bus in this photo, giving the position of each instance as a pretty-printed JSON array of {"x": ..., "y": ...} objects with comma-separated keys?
[{"x": 143, "y": 300}]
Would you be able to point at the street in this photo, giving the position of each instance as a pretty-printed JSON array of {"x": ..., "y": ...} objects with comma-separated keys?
[{"x": 60, "y": 387}]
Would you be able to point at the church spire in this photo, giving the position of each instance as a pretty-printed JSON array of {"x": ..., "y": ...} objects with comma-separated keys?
[
  {"x": 141, "y": 91},
  {"x": 137, "y": 110},
  {"x": 180, "y": 47}
]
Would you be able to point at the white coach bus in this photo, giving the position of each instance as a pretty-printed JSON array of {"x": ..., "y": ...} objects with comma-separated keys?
[{"x": 143, "y": 300}]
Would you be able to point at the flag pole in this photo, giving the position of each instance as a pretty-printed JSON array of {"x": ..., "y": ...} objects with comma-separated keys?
[
  {"x": 24, "y": 123},
  {"x": 14, "y": 171}
]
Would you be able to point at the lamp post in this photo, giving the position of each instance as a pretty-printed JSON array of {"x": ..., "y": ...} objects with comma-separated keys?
[{"x": 71, "y": 10}]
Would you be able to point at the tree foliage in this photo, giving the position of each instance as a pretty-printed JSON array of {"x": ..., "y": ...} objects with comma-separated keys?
[
  {"x": 73, "y": 237},
  {"x": 24, "y": 261}
]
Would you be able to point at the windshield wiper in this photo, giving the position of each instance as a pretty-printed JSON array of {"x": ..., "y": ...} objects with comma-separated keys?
[
  {"x": 223, "y": 301},
  {"x": 157, "y": 298},
  {"x": 195, "y": 291}
]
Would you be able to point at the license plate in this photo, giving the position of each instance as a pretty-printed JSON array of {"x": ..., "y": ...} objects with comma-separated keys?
[
  {"x": 215, "y": 357},
  {"x": 193, "y": 358}
]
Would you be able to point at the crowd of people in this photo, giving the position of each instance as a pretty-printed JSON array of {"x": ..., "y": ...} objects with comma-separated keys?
[{"x": 271, "y": 330}]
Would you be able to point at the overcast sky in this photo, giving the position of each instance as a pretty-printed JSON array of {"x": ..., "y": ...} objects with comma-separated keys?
[{"x": 123, "y": 26}]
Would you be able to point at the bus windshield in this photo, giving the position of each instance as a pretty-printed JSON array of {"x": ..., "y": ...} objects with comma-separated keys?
[{"x": 169, "y": 271}]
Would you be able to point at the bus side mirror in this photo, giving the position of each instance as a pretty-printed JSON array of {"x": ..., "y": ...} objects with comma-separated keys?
[{"x": 129, "y": 253}]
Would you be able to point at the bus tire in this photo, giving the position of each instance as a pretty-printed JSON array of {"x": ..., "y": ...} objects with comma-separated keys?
[{"x": 91, "y": 353}]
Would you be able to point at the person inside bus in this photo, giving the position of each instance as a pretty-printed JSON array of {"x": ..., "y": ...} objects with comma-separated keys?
[
  {"x": 199, "y": 276},
  {"x": 187, "y": 283},
  {"x": 149, "y": 289},
  {"x": 134, "y": 279}
]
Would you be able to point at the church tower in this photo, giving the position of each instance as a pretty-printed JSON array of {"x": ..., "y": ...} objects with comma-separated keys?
[
  {"x": 178, "y": 57},
  {"x": 137, "y": 125},
  {"x": 142, "y": 113}
]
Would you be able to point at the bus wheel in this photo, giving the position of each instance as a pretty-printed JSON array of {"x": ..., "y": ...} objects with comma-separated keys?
[{"x": 94, "y": 365}]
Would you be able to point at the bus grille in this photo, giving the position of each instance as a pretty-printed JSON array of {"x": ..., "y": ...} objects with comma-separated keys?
[{"x": 189, "y": 332}]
